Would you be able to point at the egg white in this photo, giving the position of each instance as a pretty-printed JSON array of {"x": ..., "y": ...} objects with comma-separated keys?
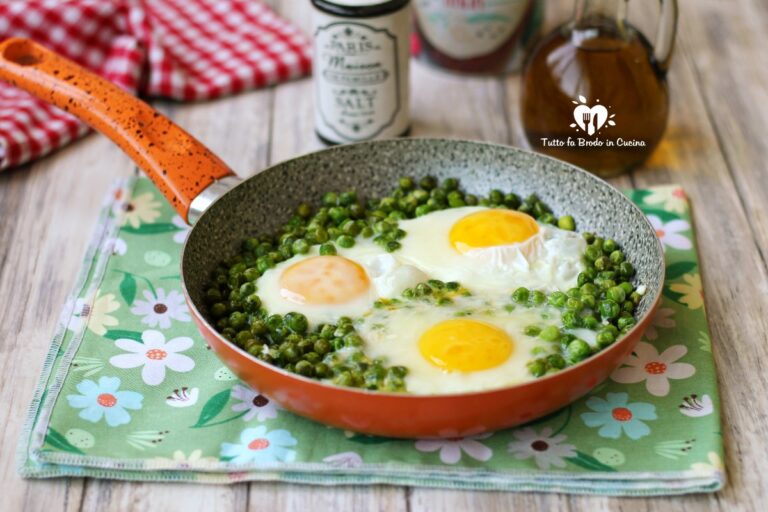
[
  {"x": 548, "y": 261},
  {"x": 387, "y": 275},
  {"x": 393, "y": 334}
]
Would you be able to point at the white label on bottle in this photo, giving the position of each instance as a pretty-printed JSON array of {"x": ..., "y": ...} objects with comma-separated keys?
[
  {"x": 463, "y": 29},
  {"x": 361, "y": 77}
]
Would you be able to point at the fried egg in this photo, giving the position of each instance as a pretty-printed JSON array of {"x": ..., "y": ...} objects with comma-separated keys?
[
  {"x": 473, "y": 344},
  {"x": 492, "y": 250},
  {"x": 325, "y": 288}
]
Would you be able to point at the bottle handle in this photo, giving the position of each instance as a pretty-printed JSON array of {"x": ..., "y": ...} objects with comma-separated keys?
[{"x": 665, "y": 35}]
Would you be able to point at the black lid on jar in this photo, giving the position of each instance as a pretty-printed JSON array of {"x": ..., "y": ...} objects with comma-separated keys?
[{"x": 359, "y": 8}]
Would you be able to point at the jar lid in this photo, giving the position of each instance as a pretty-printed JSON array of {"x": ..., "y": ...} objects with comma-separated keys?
[{"x": 359, "y": 8}]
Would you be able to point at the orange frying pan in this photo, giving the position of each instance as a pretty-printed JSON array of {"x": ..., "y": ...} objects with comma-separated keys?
[{"x": 224, "y": 211}]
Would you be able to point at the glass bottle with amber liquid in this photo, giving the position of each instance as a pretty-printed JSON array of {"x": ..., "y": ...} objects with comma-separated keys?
[{"x": 594, "y": 90}]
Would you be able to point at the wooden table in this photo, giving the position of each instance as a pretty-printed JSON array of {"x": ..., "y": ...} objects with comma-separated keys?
[{"x": 716, "y": 147}]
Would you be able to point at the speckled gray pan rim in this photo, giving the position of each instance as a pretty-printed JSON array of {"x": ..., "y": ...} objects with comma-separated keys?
[{"x": 264, "y": 202}]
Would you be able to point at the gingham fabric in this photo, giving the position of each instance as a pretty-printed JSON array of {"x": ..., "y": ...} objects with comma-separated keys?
[{"x": 180, "y": 49}]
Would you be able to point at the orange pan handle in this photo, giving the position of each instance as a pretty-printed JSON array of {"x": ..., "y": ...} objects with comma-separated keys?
[{"x": 177, "y": 163}]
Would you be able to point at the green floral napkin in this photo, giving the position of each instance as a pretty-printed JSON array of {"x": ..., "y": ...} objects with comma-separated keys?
[{"x": 130, "y": 391}]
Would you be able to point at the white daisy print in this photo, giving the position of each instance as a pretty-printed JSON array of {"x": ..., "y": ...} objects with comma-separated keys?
[
  {"x": 646, "y": 364},
  {"x": 114, "y": 245},
  {"x": 158, "y": 310},
  {"x": 154, "y": 355},
  {"x": 669, "y": 232},
  {"x": 183, "y": 397},
  {"x": 695, "y": 406},
  {"x": 344, "y": 460},
  {"x": 663, "y": 319},
  {"x": 257, "y": 405},
  {"x": 181, "y": 235},
  {"x": 451, "y": 449},
  {"x": 547, "y": 450}
]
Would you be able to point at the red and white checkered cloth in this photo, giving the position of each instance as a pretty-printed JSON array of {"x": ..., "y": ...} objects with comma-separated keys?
[{"x": 180, "y": 49}]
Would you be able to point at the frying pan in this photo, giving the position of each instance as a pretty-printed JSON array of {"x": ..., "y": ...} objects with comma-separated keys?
[{"x": 224, "y": 211}]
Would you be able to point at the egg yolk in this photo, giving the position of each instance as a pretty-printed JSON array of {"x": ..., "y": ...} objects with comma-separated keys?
[
  {"x": 492, "y": 227},
  {"x": 323, "y": 280},
  {"x": 465, "y": 345}
]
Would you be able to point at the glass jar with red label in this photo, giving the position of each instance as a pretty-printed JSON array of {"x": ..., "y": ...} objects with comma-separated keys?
[{"x": 476, "y": 36}]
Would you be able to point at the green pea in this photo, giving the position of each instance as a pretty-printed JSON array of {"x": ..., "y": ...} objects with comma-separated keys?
[
  {"x": 423, "y": 289},
  {"x": 304, "y": 368},
  {"x": 605, "y": 338},
  {"x": 635, "y": 298},
  {"x": 589, "y": 301},
  {"x": 578, "y": 350},
  {"x": 247, "y": 289},
  {"x": 573, "y": 304},
  {"x": 521, "y": 295},
  {"x": 609, "y": 246},
  {"x": 627, "y": 287},
  {"x": 296, "y": 322},
  {"x": 259, "y": 328},
  {"x": 556, "y": 361},
  {"x": 327, "y": 331},
  {"x": 406, "y": 183},
  {"x": 512, "y": 200},
  {"x": 322, "y": 346},
  {"x": 243, "y": 336},
  {"x": 347, "y": 198},
  {"x": 550, "y": 333},
  {"x": 327, "y": 249},
  {"x": 566, "y": 222},
  {"x": 538, "y": 297},
  {"x": 290, "y": 354},
  {"x": 422, "y": 210},
  {"x": 603, "y": 263},
  {"x": 609, "y": 309},
  {"x": 625, "y": 322},
  {"x": 626, "y": 269},
  {"x": 350, "y": 227},
  {"x": 588, "y": 289},
  {"x": 450, "y": 183},
  {"x": 218, "y": 310},
  {"x": 456, "y": 202},
  {"x": 592, "y": 253},
  {"x": 237, "y": 319},
  {"x": 344, "y": 378},
  {"x": 557, "y": 299},
  {"x": 471, "y": 200},
  {"x": 428, "y": 183},
  {"x": 628, "y": 306},
  {"x": 537, "y": 367},
  {"x": 274, "y": 321},
  {"x": 573, "y": 293},
  {"x": 322, "y": 370},
  {"x": 571, "y": 320},
  {"x": 547, "y": 218},
  {"x": 345, "y": 241},
  {"x": 496, "y": 197},
  {"x": 353, "y": 340},
  {"x": 588, "y": 237},
  {"x": 330, "y": 199},
  {"x": 392, "y": 246},
  {"x": 532, "y": 330},
  {"x": 408, "y": 293},
  {"x": 616, "y": 294},
  {"x": 252, "y": 303},
  {"x": 255, "y": 349},
  {"x": 590, "y": 322},
  {"x": 251, "y": 274},
  {"x": 300, "y": 246}
]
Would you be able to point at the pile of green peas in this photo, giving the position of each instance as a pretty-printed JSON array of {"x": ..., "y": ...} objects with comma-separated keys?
[
  {"x": 604, "y": 301},
  {"x": 334, "y": 352}
]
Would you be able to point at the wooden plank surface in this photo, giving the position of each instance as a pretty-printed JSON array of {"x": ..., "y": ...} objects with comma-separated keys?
[{"x": 715, "y": 146}]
